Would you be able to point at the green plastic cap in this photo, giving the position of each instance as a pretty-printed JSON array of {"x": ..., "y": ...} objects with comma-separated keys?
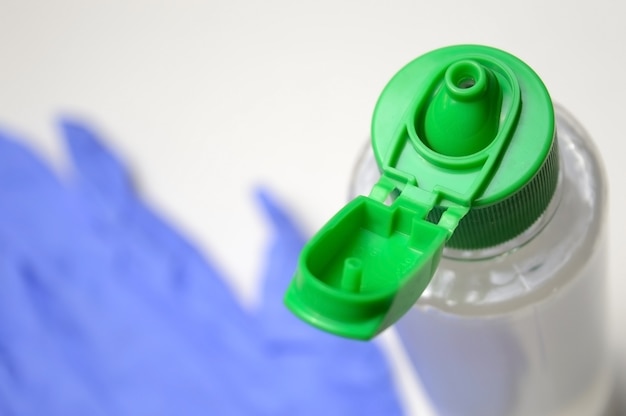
[{"x": 464, "y": 139}]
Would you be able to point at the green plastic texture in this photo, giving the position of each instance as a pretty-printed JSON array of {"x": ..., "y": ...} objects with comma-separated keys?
[
  {"x": 464, "y": 139},
  {"x": 358, "y": 273},
  {"x": 463, "y": 115},
  {"x": 510, "y": 177}
]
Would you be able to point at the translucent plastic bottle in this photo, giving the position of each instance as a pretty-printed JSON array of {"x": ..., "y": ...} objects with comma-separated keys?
[
  {"x": 478, "y": 224},
  {"x": 520, "y": 328}
]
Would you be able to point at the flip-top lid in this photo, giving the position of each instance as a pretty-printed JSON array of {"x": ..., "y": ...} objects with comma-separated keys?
[{"x": 464, "y": 139}]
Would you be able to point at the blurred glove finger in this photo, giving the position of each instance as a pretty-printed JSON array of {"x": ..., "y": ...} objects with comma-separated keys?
[{"x": 98, "y": 170}]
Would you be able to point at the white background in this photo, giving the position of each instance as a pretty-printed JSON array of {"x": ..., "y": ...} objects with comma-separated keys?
[{"x": 208, "y": 99}]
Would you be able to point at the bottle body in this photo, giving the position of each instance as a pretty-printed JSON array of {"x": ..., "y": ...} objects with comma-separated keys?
[{"x": 520, "y": 328}]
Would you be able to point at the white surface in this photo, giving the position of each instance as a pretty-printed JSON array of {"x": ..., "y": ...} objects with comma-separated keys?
[{"x": 208, "y": 99}]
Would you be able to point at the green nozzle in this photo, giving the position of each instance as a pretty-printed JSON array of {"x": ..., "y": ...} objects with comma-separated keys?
[
  {"x": 464, "y": 139},
  {"x": 464, "y": 114}
]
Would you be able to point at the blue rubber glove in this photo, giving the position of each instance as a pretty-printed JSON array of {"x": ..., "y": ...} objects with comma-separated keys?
[{"x": 106, "y": 310}]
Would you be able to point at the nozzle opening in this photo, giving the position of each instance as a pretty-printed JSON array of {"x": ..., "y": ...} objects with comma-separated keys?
[
  {"x": 465, "y": 83},
  {"x": 466, "y": 80}
]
